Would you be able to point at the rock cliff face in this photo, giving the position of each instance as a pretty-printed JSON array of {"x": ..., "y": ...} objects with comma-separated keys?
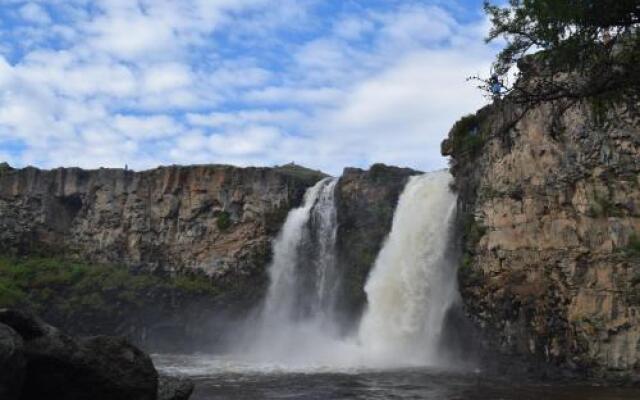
[
  {"x": 211, "y": 218},
  {"x": 549, "y": 209},
  {"x": 217, "y": 220}
]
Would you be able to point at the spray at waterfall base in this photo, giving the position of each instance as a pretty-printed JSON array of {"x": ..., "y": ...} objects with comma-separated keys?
[{"x": 410, "y": 288}]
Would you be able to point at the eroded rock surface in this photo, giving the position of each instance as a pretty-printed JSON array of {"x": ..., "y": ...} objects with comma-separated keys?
[
  {"x": 214, "y": 218},
  {"x": 550, "y": 212},
  {"x": 12, "y": 363},
  {"x": 59, "y": 366},
  {"x": 174, "y": 388}
]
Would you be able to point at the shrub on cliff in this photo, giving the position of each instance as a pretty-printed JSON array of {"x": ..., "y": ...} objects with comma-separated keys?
[
  {"x": 633, "y": 245},
  {"x": 465, "y": 136},
  {"x": 597, "y": 41},
  {"x": 223, "y": 221}
]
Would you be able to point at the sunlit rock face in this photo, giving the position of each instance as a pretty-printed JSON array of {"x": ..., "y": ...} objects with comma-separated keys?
[
  {"x": 214, "y": 218},
  {"x": 549, "y": 208}
]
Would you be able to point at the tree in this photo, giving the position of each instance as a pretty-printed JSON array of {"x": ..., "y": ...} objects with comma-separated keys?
[{"x": 586, "y": 48}]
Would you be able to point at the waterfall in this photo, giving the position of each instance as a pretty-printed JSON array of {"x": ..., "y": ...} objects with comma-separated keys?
[
  {"x": 302, "y": 272},
  {"x": 298, "y": 309},
  {"x": 413, "y": 281},
  {"x": 409, "y": 289}
]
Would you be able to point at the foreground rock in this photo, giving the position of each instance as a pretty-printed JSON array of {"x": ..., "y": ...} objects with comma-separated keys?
[
  {"x": 97, "y": 368},
  {"x": 174, "y": 388},
  {"x": 12, "y": 363}
]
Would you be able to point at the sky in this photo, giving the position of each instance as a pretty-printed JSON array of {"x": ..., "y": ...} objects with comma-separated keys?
[{"x": 322, "y": 83}]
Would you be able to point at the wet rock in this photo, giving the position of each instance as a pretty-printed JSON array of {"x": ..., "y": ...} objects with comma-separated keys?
[
  {"x": 174, "y": 388},
  {"x": 12, "y": 363}
]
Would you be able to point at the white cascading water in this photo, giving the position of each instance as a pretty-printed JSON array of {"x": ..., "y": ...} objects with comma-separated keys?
[
  {"x": 313, "y": 228},
  {"x": 296, "y": 322},
  {"x": 409, "y": 289},
  {"x": 282, "y": 296},
  {"x": 413, "y": 281}
]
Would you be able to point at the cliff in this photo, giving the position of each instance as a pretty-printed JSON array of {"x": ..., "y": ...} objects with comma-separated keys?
[
  {"x": 167, "y": 257},
  {"x": 212, "y": 218},
  {"x": 549, "y": 216},
  {"x": 172, "y": 257}
]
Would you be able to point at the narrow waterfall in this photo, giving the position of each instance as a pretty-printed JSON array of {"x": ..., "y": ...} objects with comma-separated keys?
[
  {"x": 296, "y": 319},
  {"x": 323, "y": 228},
  {"x": 302, "y": 273},
  {"x": 413, "y": 281}
]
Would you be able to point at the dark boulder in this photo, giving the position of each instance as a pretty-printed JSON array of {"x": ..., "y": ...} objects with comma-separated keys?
[
  {"x": 12, "y": 363},
  {"x": 93, "y": 368},
  {"x": 174, "y": 388}
]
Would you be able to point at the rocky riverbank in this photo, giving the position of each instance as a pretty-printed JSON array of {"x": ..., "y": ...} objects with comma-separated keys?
[{"x": 38, "y": 361}]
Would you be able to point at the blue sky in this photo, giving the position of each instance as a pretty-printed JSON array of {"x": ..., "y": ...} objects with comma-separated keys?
[{"x": 326, "y": 84}]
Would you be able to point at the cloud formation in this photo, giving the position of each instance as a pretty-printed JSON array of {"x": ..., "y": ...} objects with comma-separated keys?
[{"x": 247, "y": 82}]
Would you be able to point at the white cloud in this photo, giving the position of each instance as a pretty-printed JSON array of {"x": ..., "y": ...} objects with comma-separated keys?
[
  {"x": 219, "y": 119},
  {"x": 415, "y": 25},
  {"x": 35, "y": 13},
  {"x": 6, "y": 73},
  {"x": 148, "y": 82},
  {"x": 292, "y": 95},
  {"x": 146, "y": 127},
  {"x": 165, "y": 77},
  {"x": 352, "y": 28},
  {"x": 250, "y": 141}
]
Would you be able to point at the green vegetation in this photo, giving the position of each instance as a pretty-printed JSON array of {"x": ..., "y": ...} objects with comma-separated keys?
[
  {"x": 597, "y": 40},
  {"x": 69, "y": 286},
  {"x": 604, "y": 207},
  {"x": 309, "y": 176},
  {"x": 466, "y": 136},
  {"x": 223, "y": 221},
  {"x": 633, "y": 245},
  {"x": 472, "y": 233},
  {"x": 4, "y": 168}
]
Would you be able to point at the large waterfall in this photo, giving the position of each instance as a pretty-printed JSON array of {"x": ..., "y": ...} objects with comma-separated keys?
[
  {"x": 409, "y": 290},
  {"x": 413, "y": 281}
]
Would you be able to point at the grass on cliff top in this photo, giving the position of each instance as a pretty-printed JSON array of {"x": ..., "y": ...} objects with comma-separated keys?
[
  {"x": 304, "y": 174},
  {"x": 39, "y": 282},
  {"x": 633, "y": 246}
]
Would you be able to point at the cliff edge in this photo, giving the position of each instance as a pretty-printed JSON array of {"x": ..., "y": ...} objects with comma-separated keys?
[
  {"x": 213, "y": 218},
  {"x": 549, "y": 216}
]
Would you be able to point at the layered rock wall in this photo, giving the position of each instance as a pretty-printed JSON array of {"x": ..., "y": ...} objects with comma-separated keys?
[
  {"x": 549, "y": 210},
  {"x": 217, "y": 219}
]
